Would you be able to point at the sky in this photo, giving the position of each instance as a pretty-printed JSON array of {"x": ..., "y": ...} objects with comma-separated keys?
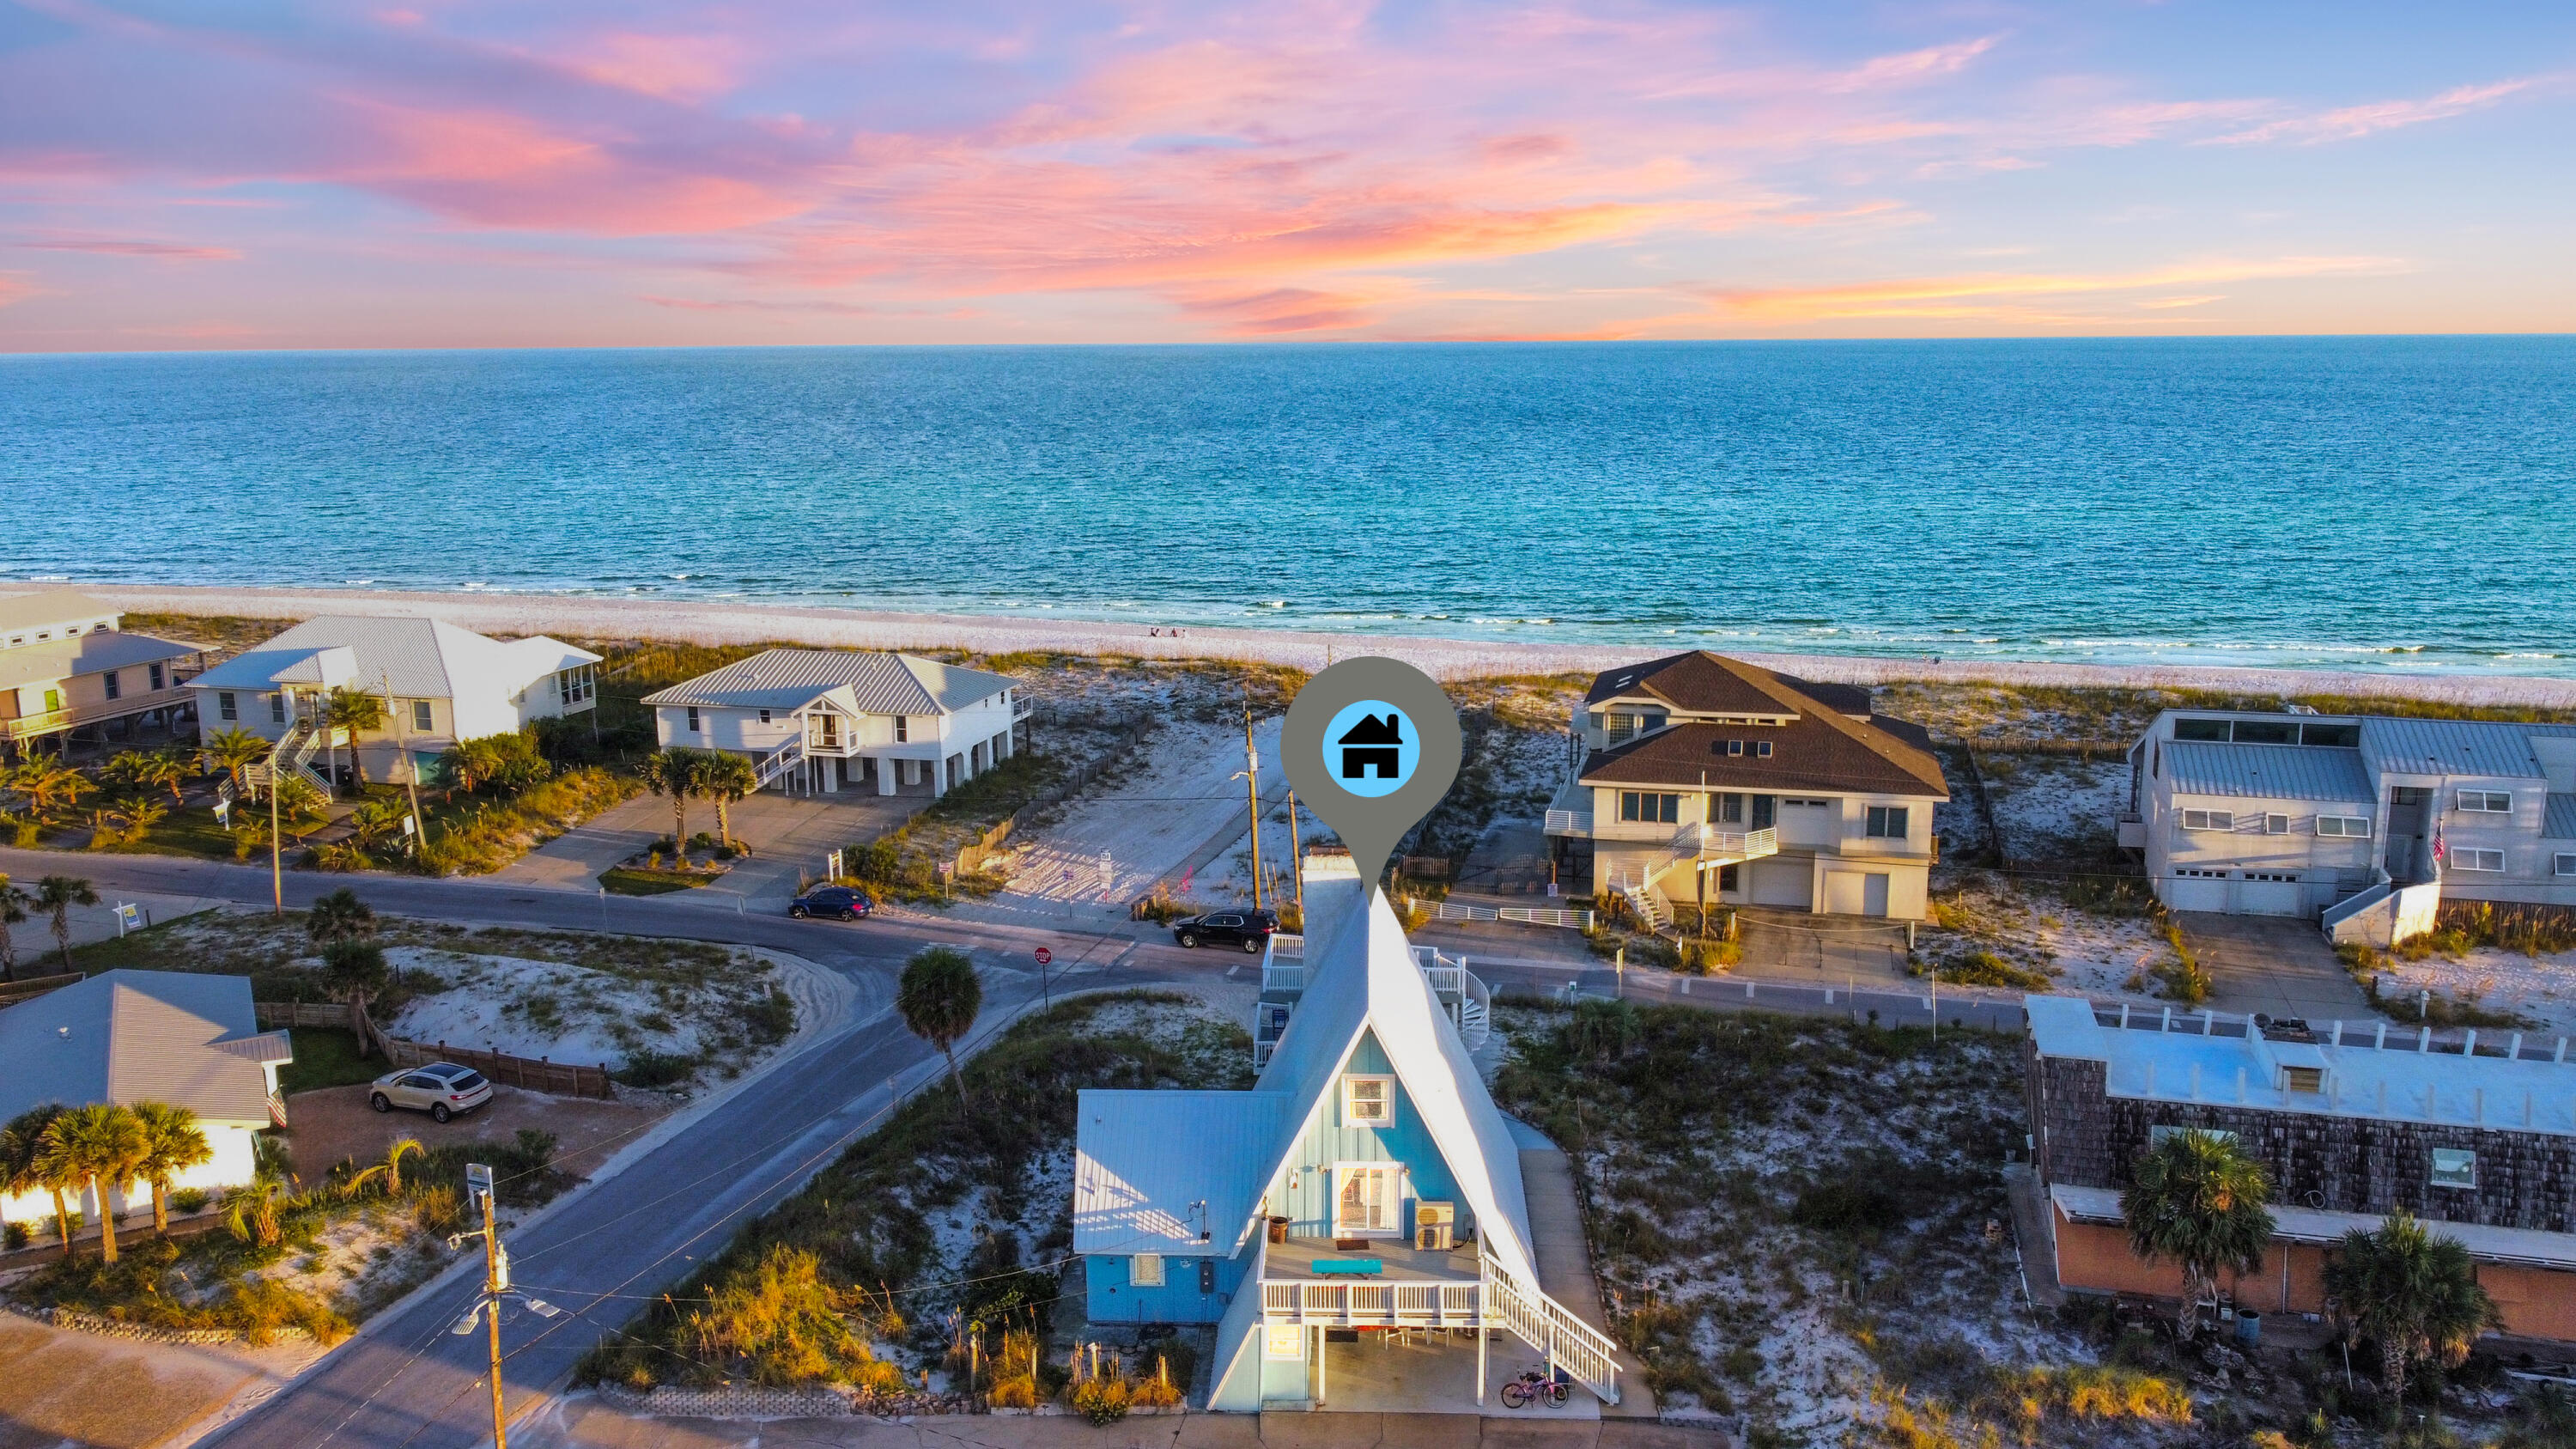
[{"x": 259, "y": 174}]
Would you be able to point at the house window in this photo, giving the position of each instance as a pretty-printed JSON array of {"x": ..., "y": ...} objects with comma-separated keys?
[
  {"x": 2487, "y": 802},
  {"x": 2200, "y": 729},
  {"x": 115, "y": 684},
  {"x": 1735, "y": 747},
  {"x": 2455, "y": 1167},
  {"x": 277, "y": 709},
  {"x": 575, "y": 685},
  {"x": 902, "y": 728},
  {"x": 2477, "y": 860},
  {"x": 1762, "y": 748},
  {"x": 1368, "y": 1101},
  {"x": 1145, "y": 1270},
  {"x": 1651, "y": 808},
  {"x": 2266, "y": 732},
  {"x": 1887, "y": 822},
  {"x": 1730, "y": 809},
  {"x": 693, "y": 719},
  {"x": 1364, "y": 1196},
  {"x": 420, "y": 716},
  {"x": 2208, "y": 820},
  {"x": 157, "y": 677},
  {"x": 2276, "y": 825},
  {"x": 2344, "y": 736},
  {"x": 2566, "y": 863},
  {"x": 227, "y": 705},
  {"x": 2349, "y": 827},
  {"x": 2157, "y": 1135},
  {"x": 2303, "y": 1079},
  {"x": 2201, "y": 874},
  {"x": 1766, "y": 811},
  {"x": 764, "y": 716}
]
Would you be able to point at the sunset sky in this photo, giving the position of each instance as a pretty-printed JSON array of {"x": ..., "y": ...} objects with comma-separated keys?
[{"x": 655, "y": 172}]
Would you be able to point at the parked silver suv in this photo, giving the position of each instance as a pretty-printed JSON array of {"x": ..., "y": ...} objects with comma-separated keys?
[{"x": 441, "y": 1089}]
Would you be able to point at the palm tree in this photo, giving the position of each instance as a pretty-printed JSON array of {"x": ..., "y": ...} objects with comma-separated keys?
[
  {"x": 13, "y": 912},
  {"x": 2198, "y": 1199},
  {"x": 354, "y": 712},
  {"x": 100, "y": 1144},
  {"x": 50, "y": 785},
  {"x": 390, "y": 1169},
  {"x": 340, "y": 916},
  {"x": 162, "y": 769},
  {"x": 57, "y": 894},
  {"x": 728, "y": 778},
  {"x": 2414, "y": 1294},
  {"x": 939, "y": 998},
  {"x": 676, "y": 772},
  {"x": 172, "y": 1143},
  {"x": 251, "y": 1211},
  {"x": 24, "y": 1167},
  {"x": 232, "y": 751}
]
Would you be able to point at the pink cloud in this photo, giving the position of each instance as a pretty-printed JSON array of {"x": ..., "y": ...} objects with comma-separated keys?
[
  {"x": 163, "y": 251},
  {"x": 674, "y": 67},
  {"x": 2353, "y": 122},
  {"x": 1999, "y": 293}
]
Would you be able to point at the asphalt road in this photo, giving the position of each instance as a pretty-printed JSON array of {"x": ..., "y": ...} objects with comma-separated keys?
[{"x": 407, "y": 1381}]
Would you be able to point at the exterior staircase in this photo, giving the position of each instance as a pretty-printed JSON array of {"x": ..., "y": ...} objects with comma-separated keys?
[
  {"x": 1584, "y": 1352},
  {"x": 293, "y": 755},
  {"x": 773, "y": 767},
  {"x": 1697, "y": 845},
  {"x": 1648, "y": 909}
]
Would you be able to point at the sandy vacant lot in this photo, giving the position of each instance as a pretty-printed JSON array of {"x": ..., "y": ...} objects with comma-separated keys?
[
  {"x": 66, "y": 1388},
  {"x": 1152, "y": 823},
  {"x": 336, "y": 1122}
]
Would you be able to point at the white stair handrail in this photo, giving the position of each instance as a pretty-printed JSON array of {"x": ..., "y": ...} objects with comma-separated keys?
[
  {"x": 1550, "y": 1327},
  {"x": 774, "y": 765}
]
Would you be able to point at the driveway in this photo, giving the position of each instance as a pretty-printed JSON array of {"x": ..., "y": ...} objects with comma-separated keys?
[
  {"x": 2277, "y": 965},
  {"x": 788, "y": 834}
]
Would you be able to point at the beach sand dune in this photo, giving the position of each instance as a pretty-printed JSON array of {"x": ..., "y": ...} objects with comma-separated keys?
[{"x": 715, "y": 621}]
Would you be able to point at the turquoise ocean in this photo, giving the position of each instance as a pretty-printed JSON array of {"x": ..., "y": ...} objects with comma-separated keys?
[{"x": 2404, "y": 504}]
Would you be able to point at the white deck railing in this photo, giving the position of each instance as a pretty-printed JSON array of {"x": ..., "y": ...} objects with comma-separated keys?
[{"x": 1498, "y": 1299}]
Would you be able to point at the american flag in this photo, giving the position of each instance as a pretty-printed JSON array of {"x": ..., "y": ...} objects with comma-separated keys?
[{"x": 2439, "y": 850}]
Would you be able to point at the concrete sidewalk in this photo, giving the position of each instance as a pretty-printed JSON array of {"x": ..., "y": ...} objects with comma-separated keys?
[{"x": 582, "y": 1422}]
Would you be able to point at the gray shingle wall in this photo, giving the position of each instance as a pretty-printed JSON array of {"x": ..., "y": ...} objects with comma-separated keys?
[{"x": 2340, "y": 1164}]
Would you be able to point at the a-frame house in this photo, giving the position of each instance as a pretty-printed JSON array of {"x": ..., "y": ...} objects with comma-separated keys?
[{"x": 1367, "y": 1180}]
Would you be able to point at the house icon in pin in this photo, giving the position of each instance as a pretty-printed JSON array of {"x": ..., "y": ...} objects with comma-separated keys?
[{"x": 1371, "y": 742}]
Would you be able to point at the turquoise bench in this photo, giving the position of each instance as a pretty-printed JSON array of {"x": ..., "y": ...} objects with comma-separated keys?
[{"x": 1348, "y": 1267}]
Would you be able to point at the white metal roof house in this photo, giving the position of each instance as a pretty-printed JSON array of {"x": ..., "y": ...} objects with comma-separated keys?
[
  {"x": 441, "y": 684},
  {"x": 179, "y": 1037},
  {"x": 2336, "y": 817},
  {"x": 828, "y": 719},
  {"x": 2474, "y": 1133},
  {"x": 1366, "y": 1181},
  {"x": 66, "y": 668}
]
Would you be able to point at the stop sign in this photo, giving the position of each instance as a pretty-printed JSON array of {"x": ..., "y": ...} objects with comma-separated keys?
[{"x": 1045, "y": 956}]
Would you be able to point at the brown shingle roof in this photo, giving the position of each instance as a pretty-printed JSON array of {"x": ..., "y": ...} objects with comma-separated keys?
[{"x": 1822, "y": 748}]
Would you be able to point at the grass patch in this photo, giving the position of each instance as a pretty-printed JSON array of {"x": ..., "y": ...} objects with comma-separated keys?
[
  {"x": 326, "y": 1057},
  {"x": 1983, "y": 968},
  {"x": 620, "y": 880},
  {"x": 865, "y": 1222}
]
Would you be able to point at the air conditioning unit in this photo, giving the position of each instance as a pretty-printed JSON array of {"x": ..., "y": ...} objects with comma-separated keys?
[{"x": 1435, "y": 1226}]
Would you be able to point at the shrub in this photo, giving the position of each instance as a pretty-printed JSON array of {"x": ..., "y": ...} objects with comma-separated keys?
[
  {"x": 15, "y": 1235},
  {"x": 1155, "y": 1393},
  {"x": 190, "y": 1199},
  {"x": 1985, "y": 968},
  {"x": 1847, "y": 1207},
  {"x": 1708, "y": 957},
  {"x": 437, "y": 1210},
  {"x": 772, "y": 1018},
  {"x": 1014, "y": 1393},
  {"x": 2184, "y": 978},
  {"x": 649, "y": 1070},
  {"x": 783, "y": 1325},
  {"x": 1102, "y": 1400}
]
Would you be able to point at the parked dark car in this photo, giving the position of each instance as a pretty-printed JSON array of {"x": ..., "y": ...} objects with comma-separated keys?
[
  {"x": 844, "y": 903},
  {"x": 1248, "y": 929}
]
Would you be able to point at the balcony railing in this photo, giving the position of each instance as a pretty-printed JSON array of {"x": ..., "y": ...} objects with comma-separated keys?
[
  {"x": 1569, "y": 822},
  {"x": 28, "y": 726},
  {"x": 1366, "y": 1304}
]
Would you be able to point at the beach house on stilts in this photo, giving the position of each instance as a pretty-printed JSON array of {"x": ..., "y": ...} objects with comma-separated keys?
[{"x": 1366, "y": 1186}]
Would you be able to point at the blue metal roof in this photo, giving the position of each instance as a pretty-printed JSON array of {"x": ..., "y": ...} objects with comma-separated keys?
[
  {"x": 2558, "y": 820},
  {"x": 2268, "y": 772},
  {"x": 2454, "y": 747}
]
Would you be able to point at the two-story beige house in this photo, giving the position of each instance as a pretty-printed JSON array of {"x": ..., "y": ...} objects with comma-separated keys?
[
  {"x": 1706, "y": 778},
  {"x": 68, "y": 672}
]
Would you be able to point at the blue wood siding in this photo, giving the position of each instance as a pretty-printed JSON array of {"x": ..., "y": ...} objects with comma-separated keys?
[
  {"x": 1328, "y": 1140},
  {"x": 1108, "y": 1296}
]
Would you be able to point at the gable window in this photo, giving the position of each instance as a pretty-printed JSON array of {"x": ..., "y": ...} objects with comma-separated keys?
[
  {"x": 277, "y": 709},
  {"x": 1735, "y": 747},
  {"x": 2349, "y": 827},
  {"x": 2487, "y": 802},
  {"x": 1650, "y": 808},
  {"x": 1762, "y": 748},
  {"x": 1368, "y": 1101},
  {"x": 420, "y": 716},
  {"x": 1145, "y": 1270},
  {"x": 1887, "y": 822},
  {"x": 2209, "y": 820},
  {"x": 157, "y": 677},
  {"x": 2566, "y": 863},
  {"x": 227, "y": 705},
  {"x": 902, "y": 728},
  {"x": 2455, "y": 1167},
  {"x": 2477, "y": 859}
]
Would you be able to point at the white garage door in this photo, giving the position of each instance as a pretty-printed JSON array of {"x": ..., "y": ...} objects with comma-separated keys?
[
  {"x": 2271, "y": 898},
  {"x": 2196, "y": 893}
]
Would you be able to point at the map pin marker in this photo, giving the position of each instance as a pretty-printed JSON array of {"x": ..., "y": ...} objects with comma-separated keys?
[{"x": 1371, "y": 745}]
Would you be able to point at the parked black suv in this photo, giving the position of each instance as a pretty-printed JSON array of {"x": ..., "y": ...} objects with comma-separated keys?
[
  {"x": 846, "y": 903},
  {"x": 1248, "y": 929}
]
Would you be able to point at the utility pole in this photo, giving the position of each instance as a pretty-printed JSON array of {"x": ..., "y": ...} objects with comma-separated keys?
[
  {"x": 1252, "y": 795},
  {"x": 276, "y": 853},
  {"x": 411, "y": 769},
  {"x": 1296, "y": 859},
  {"x": 496, "y": 1289}
]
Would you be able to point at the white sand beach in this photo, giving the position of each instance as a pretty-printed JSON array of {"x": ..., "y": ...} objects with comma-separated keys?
[{"x": 713, "y": 621}]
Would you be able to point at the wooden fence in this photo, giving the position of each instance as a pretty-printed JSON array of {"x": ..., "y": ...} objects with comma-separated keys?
[
  {"x": 970, "y": 859},
  {"x": 536, "y": 1074},
  {"x": 29, "y": 988}
]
